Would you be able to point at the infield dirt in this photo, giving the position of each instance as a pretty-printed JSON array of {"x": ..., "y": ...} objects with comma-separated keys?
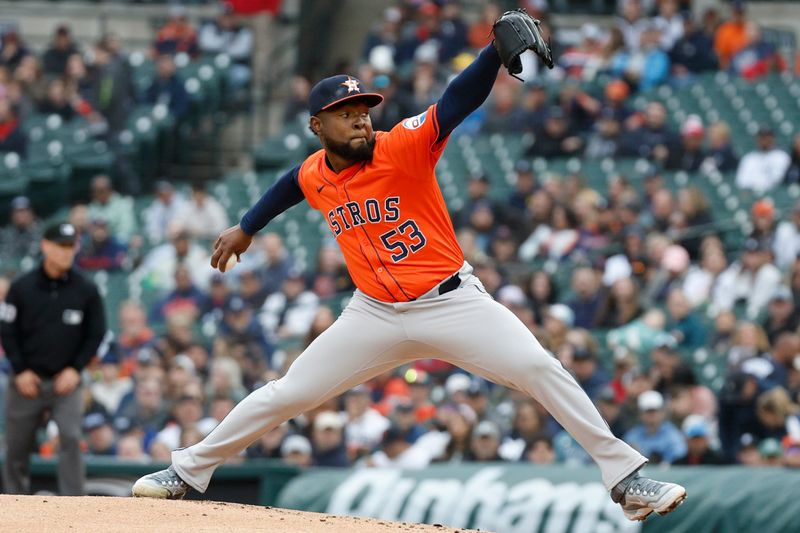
[{"x": 90, "y": 514}]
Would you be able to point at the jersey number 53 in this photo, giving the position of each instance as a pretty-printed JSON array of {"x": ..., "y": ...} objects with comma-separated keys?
[{"x": 394, "y": 240}]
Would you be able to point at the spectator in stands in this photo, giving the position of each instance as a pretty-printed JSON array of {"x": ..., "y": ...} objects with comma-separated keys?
[
  {"x": 587, "y": 370},
  {"x": 459, "y": 422},
  {"x": 296, "y": 450},
  {"x": 484, "y": 443},
  {"x": 692, "y": 53},
  {"x": 225, "y": 380},
  {"x": 786, "y": 346},
  {"x": 289, "y": 312},
  {"x": 385, "y": 33},
  {"x": 605, "y": 139},
  {"x": 721, "y": 153},
  {"x": 758, "y": 58},
  {"x": 539, "y": 451},
  {"x": 610, "y": 405},
  {"x": 168, "y": 88},
  {"x": 480, "y": 31},
  {"x": 112, "y": 207},
  {"x": 670, "y": 23},
  {"x": 504, "y": 115},
  {"x": 27, "y": 87},
  {"x": 185, "y": 297},
  {"x": 645, "y": 66},
  {"x": 453, "y": 31},
  {"x": 269, "y": 445},
  {"x": 579, "y": 61},
  {"x": 763, "y": 169},
  {"x": 777, "y": 414},
  {"x": 327, "y": 439},
  {"x": 753, "y": 279},
  {"x": 12, "y": 51},
  {"x": 112, "y": 387},
  {"x": 699, "y": 451},
  {"x": 101, "y": 250},
  {"x": 693, "y": 204},
  {"x": 556, "y": 138},
  {"x": 101, "y": 439},
  {"x": 21, "y": 237},
  {"x": 177, "y": 35},
  {"x": 793, "y": 172},
  {"x": 239, "y": 326},
  {"x": 112, "y": 87},
  {"x": 786, "y": 246},
  {"x": 691, "y": 154},
  {"x": 61, "y": 48},
  {"x": 226, "y": 35},
  {"x": 12, "y": 139},
  {"x": 331, "y": 275},
  {"x": 557, "y": 239},
  {"x": 273, "y": 260},
  {"x": 364, "y": 425},
  {"x": 145, "y": 407},
  {"x": 56, "y": 102},
  {"x": 162, "y": 211},
  {"x": 654, "y": 437},
  {"x": 524, "y": 187},
  {"x": 763, "y": 220},
  {"x": 621, "y": 305},
  {"x": 133, "y": 334},
  {"x": 251, "y": 288},
  {"x": 632, "y": 23},
  {"x": 731, "y": 36},
  {"x": 157, "y": 270},
  {"x": 202, "y": 216},
  {"x": 654, "y": 138},
  {"x": 683, "y": 323},
  {"x": 587, "y": 302}
]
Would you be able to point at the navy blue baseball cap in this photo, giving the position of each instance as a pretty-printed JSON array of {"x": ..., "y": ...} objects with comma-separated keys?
[{"x": 338, "y": 89}]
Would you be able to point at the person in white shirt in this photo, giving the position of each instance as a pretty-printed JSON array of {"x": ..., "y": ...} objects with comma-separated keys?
[
  {"x": 157, "y": 271},
  {"x": 290, "y": 311},
  {"x": 670, "y": 22},
  {"x": 112, "y": 387},
  {"x": 787, "y": 240},
  {"x": 225, "y": 35},
  {"x": 164, "y": 209},
  {"x": 203, "y": 216},
  {"x": 632, "y": 23},
  {"x": 752, "y": 279},
  {"x": 763, "y": 169},
  {"x": 365, "y": 426},
  {"x": 397, "y": 452}
]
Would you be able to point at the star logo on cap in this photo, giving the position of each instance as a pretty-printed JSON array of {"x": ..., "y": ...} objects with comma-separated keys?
[{"x": 351, "y": 84}]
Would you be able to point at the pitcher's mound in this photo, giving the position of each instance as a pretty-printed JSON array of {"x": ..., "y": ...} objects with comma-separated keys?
[{"x": 92, "y": 514}]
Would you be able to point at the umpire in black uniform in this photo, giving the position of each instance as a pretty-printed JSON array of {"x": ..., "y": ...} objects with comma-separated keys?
[{"x": 51, "y": 325}]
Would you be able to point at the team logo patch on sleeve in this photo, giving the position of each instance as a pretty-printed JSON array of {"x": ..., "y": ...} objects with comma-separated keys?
[{"x": 415, "y": 122}]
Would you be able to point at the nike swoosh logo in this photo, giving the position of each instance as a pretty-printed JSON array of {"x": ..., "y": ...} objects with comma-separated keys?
[{"x": 319, "y": 189}]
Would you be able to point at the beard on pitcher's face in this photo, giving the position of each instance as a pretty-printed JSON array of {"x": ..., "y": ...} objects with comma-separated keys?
[{"x": 357, "y": 149}]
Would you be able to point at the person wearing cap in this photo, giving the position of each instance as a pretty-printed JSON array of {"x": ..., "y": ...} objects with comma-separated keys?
[
  {"x": 557, "y": 137},
  {"x": 51, "y": 325},
  {"x": 699, "y": 451},
  {"x": 763, "y": 169},
  {"x": 379, "y": 196},
  {"x": 752, "y": 280},
  {"x": 327, "y": 439},
  {"x": 21, "y": 237},
  {"x": 524, "y": 187},
  {"x": 296, "y": 450},
  {"x": 654, "y": 436},
  {"x": 167, "y": 204},
  {"x": 12, "y": 137},
  {"x": 691, "y": 153},
  {"x": 112, "y": 387},
  {"x": 102, "y": 250},
  {"x": 100, "y": 436},
  {"x": 606, "y": 136},
  {"x": 484, "y": 443}
]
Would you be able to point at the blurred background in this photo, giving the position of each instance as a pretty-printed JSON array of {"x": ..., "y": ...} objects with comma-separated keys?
[{"x": 637, "y": 207}]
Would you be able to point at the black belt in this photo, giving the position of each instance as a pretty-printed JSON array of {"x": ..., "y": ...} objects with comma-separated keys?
[{"x": 450, "y": 284}]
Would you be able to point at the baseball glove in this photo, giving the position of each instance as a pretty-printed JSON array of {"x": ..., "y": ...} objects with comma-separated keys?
[{"x": 514, "y": 32}]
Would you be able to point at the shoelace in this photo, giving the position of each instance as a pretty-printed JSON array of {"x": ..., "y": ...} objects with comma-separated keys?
[{"x": 644, "y": 486}]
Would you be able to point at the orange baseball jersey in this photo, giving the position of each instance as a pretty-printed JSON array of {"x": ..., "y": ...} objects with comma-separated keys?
[{"x": 388, "y": 215}]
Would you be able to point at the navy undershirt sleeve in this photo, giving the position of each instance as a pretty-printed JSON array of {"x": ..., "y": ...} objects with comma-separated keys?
[
  {"x": 283, "y": 194},
  {"x": 467, "y": 91}
]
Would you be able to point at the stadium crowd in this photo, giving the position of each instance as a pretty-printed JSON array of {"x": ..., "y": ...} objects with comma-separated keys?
[{"x": 651, "y": 284}]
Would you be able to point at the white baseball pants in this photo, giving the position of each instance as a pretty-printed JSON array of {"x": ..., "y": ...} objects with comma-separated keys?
[{"x": 465, "y": 327}]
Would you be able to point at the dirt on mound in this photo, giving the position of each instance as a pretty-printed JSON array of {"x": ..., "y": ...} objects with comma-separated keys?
[{"x": 105, "y": 514}]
